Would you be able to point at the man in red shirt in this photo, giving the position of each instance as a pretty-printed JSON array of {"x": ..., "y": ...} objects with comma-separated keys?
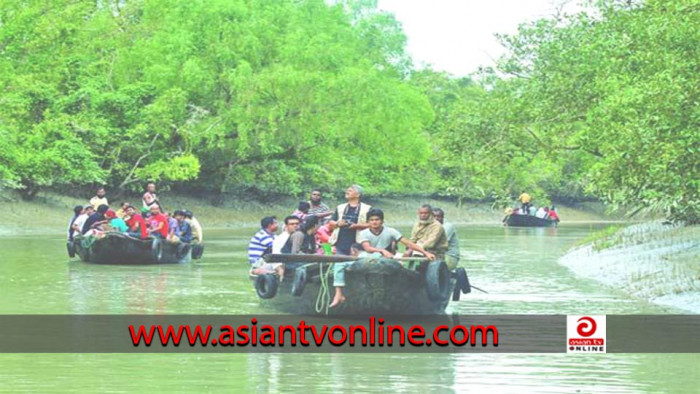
[
  {"x": 158, "y": 223},
  {"x": 137, "y": 226}
]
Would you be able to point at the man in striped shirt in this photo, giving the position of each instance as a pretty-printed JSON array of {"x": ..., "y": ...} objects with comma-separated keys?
[{"x": 261, "y": 243}]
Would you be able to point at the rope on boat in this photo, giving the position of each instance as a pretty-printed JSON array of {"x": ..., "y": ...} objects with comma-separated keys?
[{"x": 323, "y": 300}]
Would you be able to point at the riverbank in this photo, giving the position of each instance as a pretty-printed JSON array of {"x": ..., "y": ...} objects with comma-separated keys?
[
  {"x": 49, "y": 212},
  {"x": 653, "y": 261}
]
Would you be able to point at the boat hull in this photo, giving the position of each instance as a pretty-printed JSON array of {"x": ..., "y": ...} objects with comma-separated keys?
[
  {"x": 371, "y": 288},
  {"x": 529, "y": 221},
  {"x": 117, "y": 248}
]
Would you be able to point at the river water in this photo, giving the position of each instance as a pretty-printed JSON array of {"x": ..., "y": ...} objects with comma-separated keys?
[{"x": 518, "y": 267}]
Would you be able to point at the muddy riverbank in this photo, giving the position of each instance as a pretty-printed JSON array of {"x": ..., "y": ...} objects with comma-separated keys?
[{"x": 652, "y": 261}]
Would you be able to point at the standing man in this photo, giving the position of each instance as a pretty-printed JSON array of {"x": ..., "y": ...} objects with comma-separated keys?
[
  {"x": 452, "y": 255},
  {"x": 318, "y": 208},
  {"x": 149, "y": 197},
  {"x": 99, "y": 199},
  {"x": 428, "y": 233},
  {"x": 525, "y": 200},
  {"x": 350, "y": 218}
]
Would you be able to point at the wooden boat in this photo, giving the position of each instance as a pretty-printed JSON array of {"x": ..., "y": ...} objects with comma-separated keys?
[
  {"x": 529, "y": 221},
  {"x": 371, "y": 286},
  {"x": 119, "y": 248}
]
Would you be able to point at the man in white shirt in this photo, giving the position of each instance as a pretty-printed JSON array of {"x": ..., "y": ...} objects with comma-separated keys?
[{"x": 282, "y": 242}]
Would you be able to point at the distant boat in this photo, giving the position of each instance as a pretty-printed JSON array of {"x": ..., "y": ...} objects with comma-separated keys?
[
  {"x": 515, "y": 220},
  {"x": 380, "y": 286},
  {"x": 118, "y": 248}
]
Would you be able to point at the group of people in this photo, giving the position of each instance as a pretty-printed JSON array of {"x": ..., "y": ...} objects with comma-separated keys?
[
  {"x": 355, "y": 229},
  {"x": 526, "y": 208},
  {"x": 96, "y": 218}
]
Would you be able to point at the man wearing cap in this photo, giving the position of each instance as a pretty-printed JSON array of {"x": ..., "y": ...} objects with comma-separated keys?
[{"x": 349, "y": 218}]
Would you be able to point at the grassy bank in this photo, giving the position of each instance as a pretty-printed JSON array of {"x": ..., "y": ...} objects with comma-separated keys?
[{"x": 50, "y": 212}]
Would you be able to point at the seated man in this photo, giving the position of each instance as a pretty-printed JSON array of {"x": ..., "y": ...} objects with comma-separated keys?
[
  {"x": 173, "y": 230},
  {"x": 542, "y": 213},
  {"x": 261, "y": 244},
  {"x": 197, "y": 234},
  {"x": 304, "y": 239},
  {"x": 184, "y": 227},
  {"x": 95, "y": 220},
  {"x": 378, "y": 238},
  {"x": 283, "y": 243},
  {"x": 117, "y": 224},
  {"x": 137, "y": 225},
  {"x": 158, "y": 223},
  {"x": 428, "y": 233},
  {"x": 339, "y": 275},
  {"x": 73, "y": 230},
  {"x": 452, "y": 255}
]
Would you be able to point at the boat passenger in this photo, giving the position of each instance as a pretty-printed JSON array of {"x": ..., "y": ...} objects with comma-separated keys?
[
  {"x": 532, "y": 210},
  {"x": 173, "y": 229},
  {"x": 381, "y": 239},
  {"x": 121, "y": 212},
  {"x": 304, "y": 239},
  {"x": 339, "y": 275},
  {"x": 185, "y": 228},
  {"x": 158, "y": 223},
  {"x": 149, "y": 197},
  {"x": 525, "y": 200},
  {"x": 283, "y": 243},
  {"x": 95, "y": 220},
  {"x": 80, "y": 220},
  {"x": 542, "y": 213},
  {"x": 261, "y": 244},
  {"x": 318, "y": 208},
  {"x": 452, "y": 255},
  {"x": 302, "y": 211},
  {"x": 350, "y": 218},
  {"x": 323, "y": 235},
  {"x": 99, "y": 199},
  {"x": 197, "y": 233},
  {"x": 78, "y": 211},
  {"x": 137, "y": 225},
  {"x": 115, "y": 222},
  {"x": 553, "y": 214},
  {"x": 428, "y": 233}
]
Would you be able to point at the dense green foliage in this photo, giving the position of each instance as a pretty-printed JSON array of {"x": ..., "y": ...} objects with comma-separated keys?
[{"x": 241, "y": 96}]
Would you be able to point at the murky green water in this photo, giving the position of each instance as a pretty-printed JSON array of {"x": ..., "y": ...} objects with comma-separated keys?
[{"x": 517, "y": 266}]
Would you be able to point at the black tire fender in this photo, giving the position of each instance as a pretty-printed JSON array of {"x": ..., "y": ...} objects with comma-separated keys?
[
  {"x": 71, "y": 249},
  {"x": 266, "y": 286},
  {"x": 197, "y": 251},
  {"x": 462, "y": 280},
  {"x": 437, "y": 281},
  {"x": 299, "y": 283}
]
